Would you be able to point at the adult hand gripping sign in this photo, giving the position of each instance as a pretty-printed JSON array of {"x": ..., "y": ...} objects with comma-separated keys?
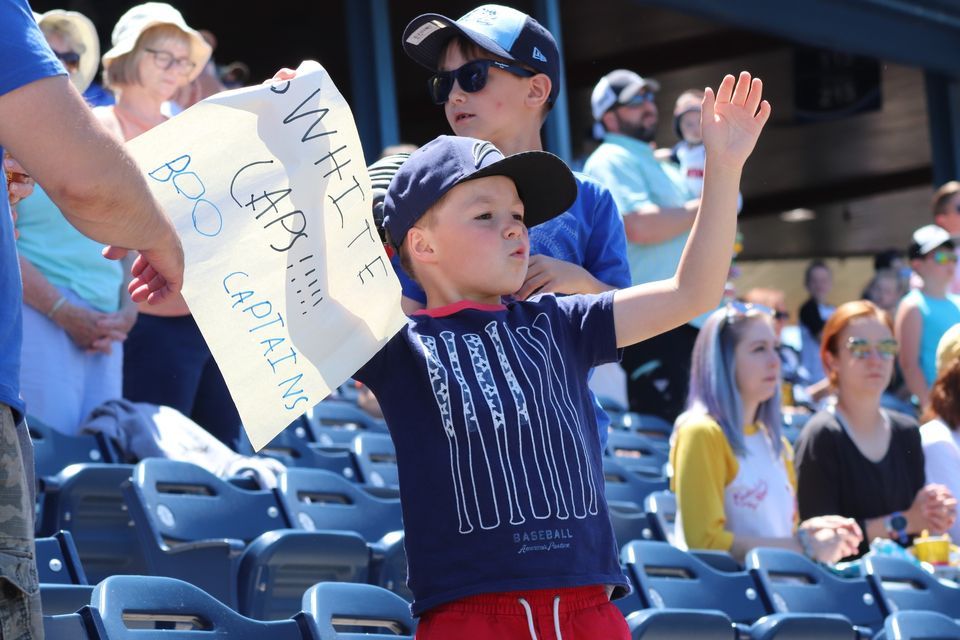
[{"x": 285, "y": 273}]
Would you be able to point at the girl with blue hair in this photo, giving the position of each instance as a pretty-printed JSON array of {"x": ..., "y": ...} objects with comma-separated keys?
[{"x": 733, "y": 470}]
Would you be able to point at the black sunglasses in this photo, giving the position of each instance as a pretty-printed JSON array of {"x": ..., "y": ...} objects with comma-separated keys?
[
  {"x": 471, "y": 77},
  {"x": 70, "y": 59}
]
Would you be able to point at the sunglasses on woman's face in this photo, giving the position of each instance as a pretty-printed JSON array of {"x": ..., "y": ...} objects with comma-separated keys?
[
  {"x": 861, "y": 348},
  {"x": 70, "y": 59},
  {"x": 471, "y": 77}
]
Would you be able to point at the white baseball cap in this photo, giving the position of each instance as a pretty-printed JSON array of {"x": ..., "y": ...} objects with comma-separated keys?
[
  {"x": 618, "y": 87},
  {"x": 84, "y": 34},
  {"x": 149, "y": 14}
]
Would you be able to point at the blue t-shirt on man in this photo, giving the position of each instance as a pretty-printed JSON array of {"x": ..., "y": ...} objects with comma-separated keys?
[
  {"x": 501, "y": 476},
  {"x": 26, "y": 58}
]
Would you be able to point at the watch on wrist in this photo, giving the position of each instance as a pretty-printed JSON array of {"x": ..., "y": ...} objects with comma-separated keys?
[{"x": 896, "y": 524}]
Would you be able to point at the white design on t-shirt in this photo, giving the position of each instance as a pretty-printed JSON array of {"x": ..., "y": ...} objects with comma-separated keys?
[
  {"x": 439, "y": 381},
  {"x": 473, "y": 430},
  {"x": 554, "y": 446}
]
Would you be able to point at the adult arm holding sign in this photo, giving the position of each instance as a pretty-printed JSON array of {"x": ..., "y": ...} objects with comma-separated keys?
[{"x": 46, "y": 126}]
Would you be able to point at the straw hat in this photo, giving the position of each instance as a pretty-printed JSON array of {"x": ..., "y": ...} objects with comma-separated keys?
[
  {"x": 948, "y": 349},
  {"x": 84, "y": 34},
  {"x": 143, "y": 16}
]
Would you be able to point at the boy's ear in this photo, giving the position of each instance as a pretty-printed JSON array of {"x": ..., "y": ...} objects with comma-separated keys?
[
  {"x": 420, "y": 245},
  {"x": 539, "y": 92}
]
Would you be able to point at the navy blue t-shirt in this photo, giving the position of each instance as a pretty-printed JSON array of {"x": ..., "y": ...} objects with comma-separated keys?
[
  {"x": 26, "y": 58},
  {"x": 501, "y": 478}
]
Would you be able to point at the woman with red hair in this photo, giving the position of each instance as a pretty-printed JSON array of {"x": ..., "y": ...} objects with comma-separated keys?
[{"x": 857, "y": 459}]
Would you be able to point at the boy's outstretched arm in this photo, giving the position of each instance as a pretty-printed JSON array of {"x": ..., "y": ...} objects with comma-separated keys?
[{"x": 732, "y": 120}]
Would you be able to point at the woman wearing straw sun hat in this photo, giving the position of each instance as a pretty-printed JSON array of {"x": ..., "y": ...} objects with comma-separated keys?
[
  {"x": 166, "y": 361},
  {"x": 73, "y": 323},
  {"x": 74, "y": 41}
]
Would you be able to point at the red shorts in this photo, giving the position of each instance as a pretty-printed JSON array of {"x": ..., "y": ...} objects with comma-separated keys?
[{"x": 581, "y": 613}]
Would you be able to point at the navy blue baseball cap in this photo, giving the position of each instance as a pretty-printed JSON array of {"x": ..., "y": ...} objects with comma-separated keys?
[
  {"x": 503, "y": 31},
  {"x": 544, "y": 183}
]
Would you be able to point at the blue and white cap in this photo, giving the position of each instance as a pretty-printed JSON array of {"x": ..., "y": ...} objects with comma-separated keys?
[
  {"x": 544, "y": 183},
  {"x": 503, "y": 31}
]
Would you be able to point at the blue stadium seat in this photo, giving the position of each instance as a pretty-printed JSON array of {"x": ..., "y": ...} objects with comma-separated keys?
[
  {"x": 388, "y": 565},
  {"x": 235, "y": 544},
  {"x": 158, "y": 608},
  {"x": 795, "y": 584},
  {"x": 649, "y": 425},
  {"x": 335, "y": 423},
  {"x": 296, "y": 447},
  {"x": 669, "y": 577},
  {"x": 63, "y": 584},
  {"x": 85, "y": 624},
  {"x": 905, "y": 586},
  {"x": 680, "y": 624},
  {"x": 364, "y": 610},
  {"x": 919, "y": 625},
  {"x": 316, "y": 499},
  {"x": 377, "y": 459},
  {"x": 662, "y": 507},
  {"x": 87, "y": 501},
  {"x": 623, "y": 485},
  {"x": 630, "y": 522},
  {"x": 52, "y": 450},
  {"x": 58, "y": 561},
  {"x": 632, "y": 449}
]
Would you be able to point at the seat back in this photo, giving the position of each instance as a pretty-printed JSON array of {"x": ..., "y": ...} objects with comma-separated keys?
[
  {"x": 377, "y": 459},
  {"x": 87, "y": 501},
  {"x": 630, "y": 522},
  {"x": 905, "y": 586},
  {"x": 296, "y": 446},
  {"x": 58, "y": 561},
  {"x": 920, "y": 625},
  {"x": 183, "y": 502},
  {"x": 334, "y": 422},
  {"x": 662, "y": 507},
  {"x": 646, "y": 424},
  {"x": 279, "y": 566},
  {"x": 624, "y": 485},
  {"x": 632, "y": 446},
  {"x": 667, "y": 577},
  {"x": 679, "y": 624},
  {"x": 795, "y": 584},
  {"x": 84, "y": 624},
  {"x": 361, "y": 611},
  {"x": 157, "y": 608},
  {"x": 316, "y": 499},
  {"x": 53, "y": 451}
]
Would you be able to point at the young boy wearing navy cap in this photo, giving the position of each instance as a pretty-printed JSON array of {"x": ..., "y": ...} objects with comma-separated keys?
[
  {"x": 507, "y": 529},
  {"x": 497, "y": 76}
]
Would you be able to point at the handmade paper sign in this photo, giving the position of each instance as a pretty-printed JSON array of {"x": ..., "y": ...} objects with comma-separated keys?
[{"x": 285, "y": 273}]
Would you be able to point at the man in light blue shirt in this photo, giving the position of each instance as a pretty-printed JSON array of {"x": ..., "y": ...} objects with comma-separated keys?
[{"x": 658, "y": 212}]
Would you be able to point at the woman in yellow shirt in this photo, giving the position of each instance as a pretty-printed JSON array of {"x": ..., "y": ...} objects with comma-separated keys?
[{"x": 733, "y": 471}]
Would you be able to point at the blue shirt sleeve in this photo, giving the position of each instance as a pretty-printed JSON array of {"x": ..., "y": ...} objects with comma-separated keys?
[
  {"x": 26, "y": 55},
  {"x": 606, "y": 251}
]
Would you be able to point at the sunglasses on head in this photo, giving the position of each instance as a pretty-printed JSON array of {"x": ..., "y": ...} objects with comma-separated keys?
[
  {"x": 70, "y": 59},
  {"x": 861, "y": 348},
  {"x": 471, "y": 77},
  {"x": 736, "y": 310}
]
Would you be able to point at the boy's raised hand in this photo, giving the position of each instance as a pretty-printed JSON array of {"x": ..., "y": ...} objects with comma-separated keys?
[{"x": 733, "y": 118}]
